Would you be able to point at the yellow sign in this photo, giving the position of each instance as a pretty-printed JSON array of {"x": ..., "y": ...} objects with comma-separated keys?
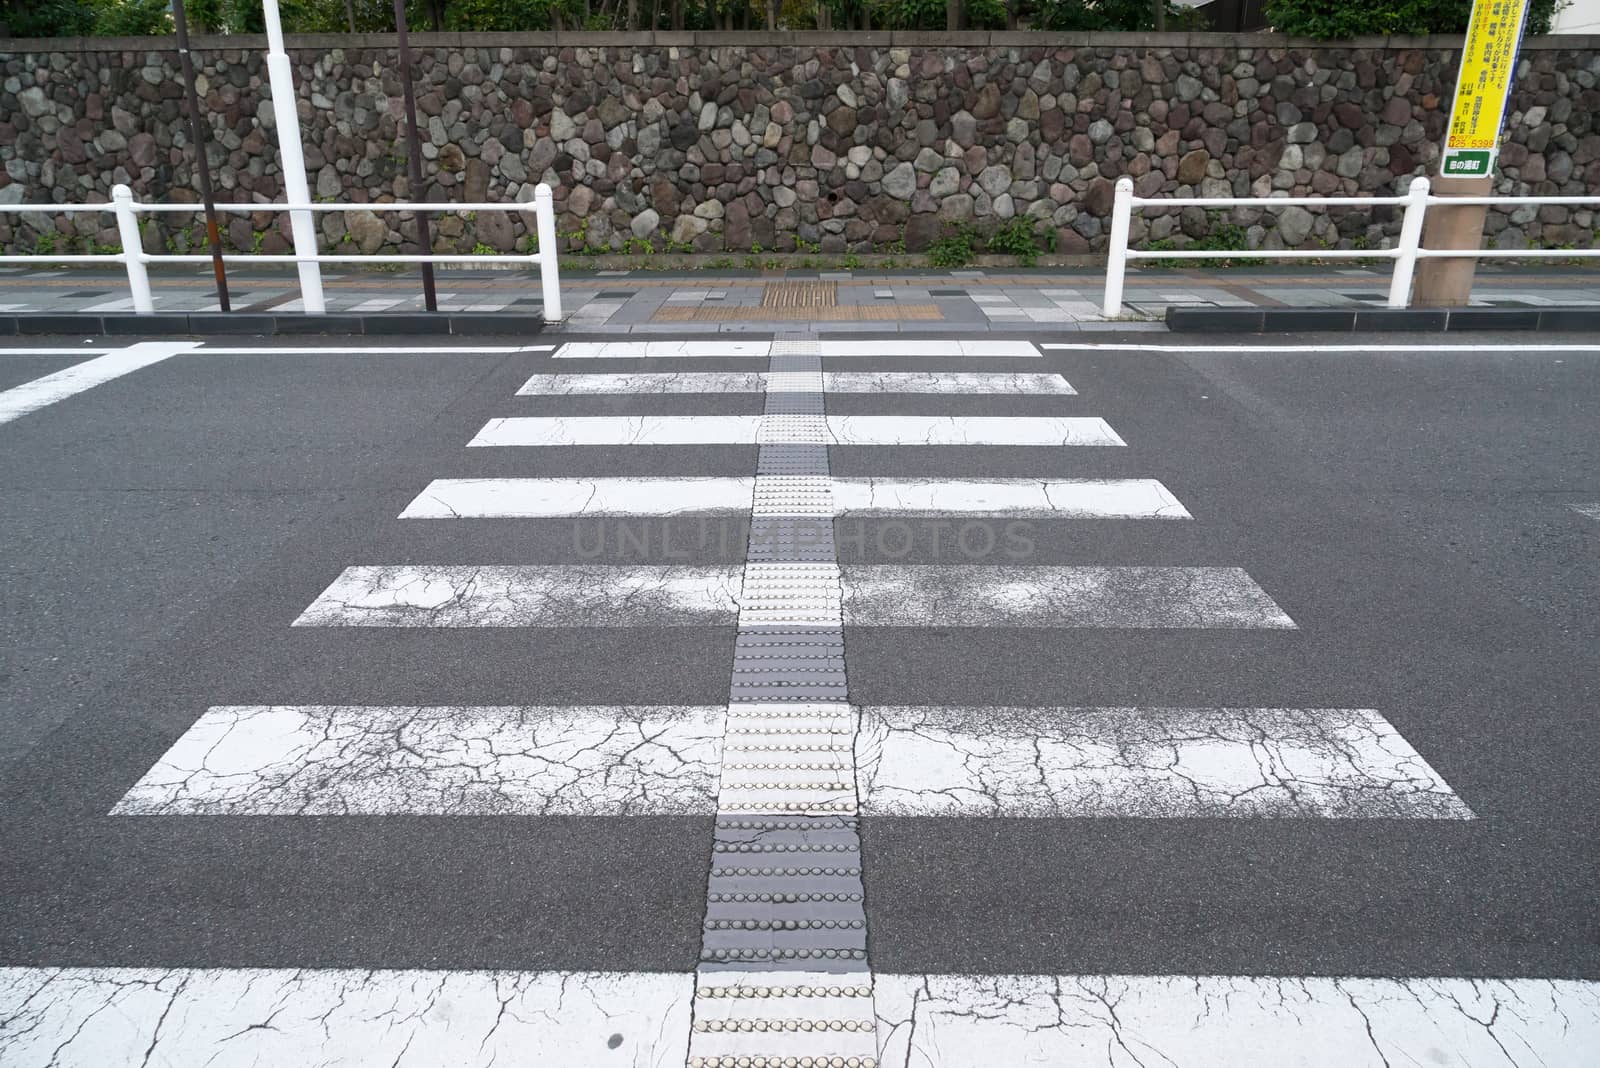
[{"x": 1488, "y": 62}]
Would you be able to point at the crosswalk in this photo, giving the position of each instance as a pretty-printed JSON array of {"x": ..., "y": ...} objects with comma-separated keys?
[{"x": 786, "y": 769}]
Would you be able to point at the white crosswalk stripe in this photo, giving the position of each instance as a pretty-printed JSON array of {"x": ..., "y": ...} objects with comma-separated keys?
[
  {"x": 533, "y": 498},
  {"x": 1147, "y": 763},
  {"x": 979, "y": 595},
  {"x": 97, "y": 1017},
  {"x": 365, "y": 761},
  {"x": 664, "y": 382},
  {"x": 546, "y": 431}
]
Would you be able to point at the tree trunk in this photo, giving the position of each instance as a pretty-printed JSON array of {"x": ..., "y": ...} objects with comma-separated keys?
[
  {"x": 677, "y": 14},
  {"x": 436, "y": 15},
  {"x": 1161, "y": 15},
  {"x": 1011, "y": 13},
  {"x": 633, "y": 15},
  {"x": 655, "y": 15},
  {"x": 772, "y": 14},
  {"x": 350, "y": 14},
  {"x": 952, "y": 15}
]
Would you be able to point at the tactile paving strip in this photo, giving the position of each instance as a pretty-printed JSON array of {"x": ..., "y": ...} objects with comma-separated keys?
[{"x": 783, "y": 979}]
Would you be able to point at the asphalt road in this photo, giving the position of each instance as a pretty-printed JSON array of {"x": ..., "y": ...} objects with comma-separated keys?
[{"x": 1413, "y": 512}]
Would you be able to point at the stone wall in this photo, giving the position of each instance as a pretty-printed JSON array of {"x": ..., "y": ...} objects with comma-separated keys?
[{"x": 860, "y": 143}]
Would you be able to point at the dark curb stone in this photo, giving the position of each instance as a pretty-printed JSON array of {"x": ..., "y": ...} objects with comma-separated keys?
[
  {"x": 136, "y": 325},
  {"x": 1309, "y": 320},
  {"x": 496, "y": 323},
  {"x": 1400, "y": 318},
  {"x": 231, "y": 323},
  {"x": 1217, "y": 320},
  {"x": 184, "y": 324},
  {"x": 58, "y": 324},
  {"x": 407, "y": 323},
  {"x": 1284, "y": 319},
  {"x": 1494, "y": 319},
  {"x": 1569, "y": 319},
  {"x": 317, "y": 324}
]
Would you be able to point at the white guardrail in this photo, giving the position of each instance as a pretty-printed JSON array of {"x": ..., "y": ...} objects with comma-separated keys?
[
  {"x": 1405, "y": 254},
  {"x": 134, "y": 258}
]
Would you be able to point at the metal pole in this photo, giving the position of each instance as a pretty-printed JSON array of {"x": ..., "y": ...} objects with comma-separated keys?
[
  {"x": 544, "y": 221},
  {"x": 1405, "y": 264},
  {"x": 1117, "y": 249},
  {"x": 203, "y": 167},
  {"x": 293, "y": 161},
  {"x": 132, "y": 249},
  {"x": 430, "y": 298}
]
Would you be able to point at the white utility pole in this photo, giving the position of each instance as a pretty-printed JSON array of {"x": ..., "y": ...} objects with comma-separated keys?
[{"x": 292, "y": 160}]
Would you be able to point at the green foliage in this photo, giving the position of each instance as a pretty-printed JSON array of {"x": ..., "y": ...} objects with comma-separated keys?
[
  {"x": 44, "y": 245},
  {"x": 1353, "y": 18},
  {"x": 851, "y": 262},
  {"x": 1018, "y": 238},
  {"x": 802, "y": 245},
  {"x": 635, "y": 246},
  {"x": 244, "y": 16},
  {"x": 953, "y": 250},
  {"x": 909, "y": 14},
  {"x": 480, "y": 249},
  {"x": 1221, "y": 236},
  {"x": 49, "y": 18},
  {"x": 1127, "y": 15}
]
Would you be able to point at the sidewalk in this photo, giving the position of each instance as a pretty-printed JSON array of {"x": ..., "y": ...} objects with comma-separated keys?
[{"x": 637, "y": 302}]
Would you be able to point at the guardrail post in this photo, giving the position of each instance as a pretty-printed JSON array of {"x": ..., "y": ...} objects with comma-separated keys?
[
  {"x": 1117, "y": 249},
  {"x": 544, "y": 220},
  {"x": 132, "y": 249},
  {"x": 280, "y": 78},
  {"x": 1405, "y": 262}
]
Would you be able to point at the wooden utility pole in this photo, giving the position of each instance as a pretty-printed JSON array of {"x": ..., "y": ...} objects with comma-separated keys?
[{"x": 1471, "y": 148}]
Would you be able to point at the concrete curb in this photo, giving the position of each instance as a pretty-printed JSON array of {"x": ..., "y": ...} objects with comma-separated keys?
[
  {"x": 1347, "y": 320},
  {"x": 169, "y": 324}
]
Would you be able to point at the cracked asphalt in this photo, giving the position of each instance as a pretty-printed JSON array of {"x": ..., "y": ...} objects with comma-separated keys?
[{"x": 1411, "y": 512}]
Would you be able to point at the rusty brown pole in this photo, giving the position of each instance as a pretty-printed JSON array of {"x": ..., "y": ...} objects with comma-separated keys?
[
  {"x": 198, "y": 136},
  {"x": 429, "y": 296}
]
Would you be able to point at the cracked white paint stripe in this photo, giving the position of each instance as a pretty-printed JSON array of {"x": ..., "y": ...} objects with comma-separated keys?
[
  {"x": 1144, "y": 763},
  {"x": 970, "y": 430},
  {"x": 527, "y": 596},
  {"x": 534, "y": 498},
  {"x": 345, "y": 760},
  {"x": 619, "y": 430},
  {"x": 948, "y": 382},
  {"x": 1113, "y": 498},
  {"x": 924, "y": 595},
  {"x": 70, "y": 381},
  {"x": 570, "y": 385},
  {"x": 666, "y": 382},
  {"x": 837, "y": 429},
  {"x": 969, "y": 1021},
  {"x": 228, "y": 1017},
  {"x": 236, "y": 1017}
]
